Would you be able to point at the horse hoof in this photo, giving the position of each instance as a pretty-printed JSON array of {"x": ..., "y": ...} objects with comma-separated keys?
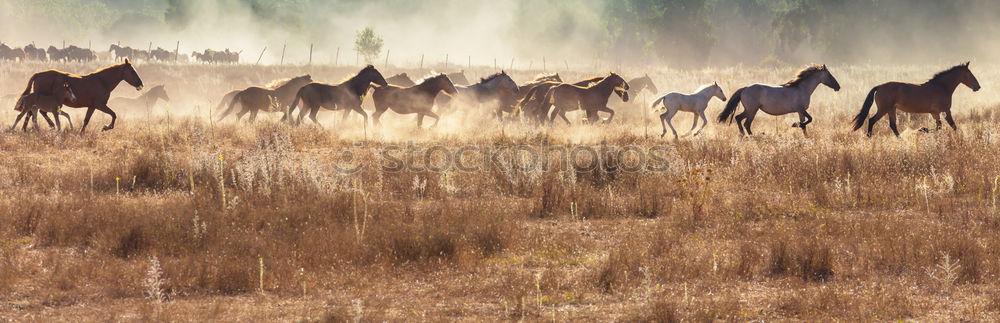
[
  {"x": 106, "y": 128},
  {"x": 796, "y": 125},
  {"x": 924, "y": 130}
]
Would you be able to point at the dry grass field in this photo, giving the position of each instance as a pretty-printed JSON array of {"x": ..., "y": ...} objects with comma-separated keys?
[{"x": 174, "y": 217}]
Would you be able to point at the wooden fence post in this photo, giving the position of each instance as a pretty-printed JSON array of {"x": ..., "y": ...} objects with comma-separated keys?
[
  {"x": 283, "y": 47},
  {"x": 310, "y": 54},
  {"x": 261, "y": 55}
]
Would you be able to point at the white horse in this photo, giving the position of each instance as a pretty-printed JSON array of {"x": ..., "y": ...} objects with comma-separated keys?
[
  {"x": 791, "y": 97},
  {"x": 695, "y": 103}
]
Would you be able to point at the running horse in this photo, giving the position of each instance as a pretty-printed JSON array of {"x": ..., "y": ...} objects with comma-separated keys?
[
  {"x": 791, "y": 97},
  {"x": 417, "y": 99},
  {"x": 639, "y": 84},
  {"x": 499, "y": 88},
  {"x": 346, "y": 96},
  {"x": 400, "y": 79},
  {"x": 276, "y": 97},
  {"x": 933, "y": 97},
  {"x": 147, "y": 100},
  {"x": 695, "y": 103},
  {"x": 591, "y": 99},
  {"x": 532, "y": 104},
  {"x": 92, "y": 90}
]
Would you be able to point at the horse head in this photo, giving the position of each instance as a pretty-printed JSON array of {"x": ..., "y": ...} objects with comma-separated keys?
[
  {"x": 718, "y": 92},
  {"x": 159, "y": 92},
  {"x": 968, "y": 78},
  {"x": 829, "y": 80},
  {"x": 444, "y": 83},
  {"x": 372, "y": 75},
  {"x": 130, "y": 76}
]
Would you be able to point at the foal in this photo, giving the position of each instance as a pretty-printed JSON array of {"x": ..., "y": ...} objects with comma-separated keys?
[
  {"x": 695, "y": 103},
  {"x": 34, "y": 102}
]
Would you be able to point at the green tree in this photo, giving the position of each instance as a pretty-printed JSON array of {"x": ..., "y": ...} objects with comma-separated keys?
[{"x": 368, "y": 44}]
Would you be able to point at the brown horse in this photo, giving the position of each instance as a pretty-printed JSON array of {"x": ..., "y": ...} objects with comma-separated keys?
[
  {"x": 400, "y": 79},
  {"x": 594, "y": 98},
  {"x": 147, "y": 100},
  {"x": 345, "y": 96},
  {"x": 933, "y": 96},
  {"x": 276, "y": 97},
  {"x": 522, "y": 91},
  {"x": 534, "y": 107},
  {"x": 497, "y": 89},
  {"x": 32, "y": 103},
  {"x": 417, "y": 99},
  {"x": 92, "y": 90}
]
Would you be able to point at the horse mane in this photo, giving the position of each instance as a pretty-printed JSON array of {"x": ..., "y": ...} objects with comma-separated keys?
[
  {"x": 106, "y": 68},
  {"x": 491, "y": 77},
  {"x": 429, "y": 77},
  {"x": 282, "y": 82},
  {"x": 804, "y": 74},
  {"x": 944, "y": 73},
  {"x": 544, "y": 76}
]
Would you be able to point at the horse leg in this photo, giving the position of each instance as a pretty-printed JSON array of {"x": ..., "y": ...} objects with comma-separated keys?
[
  {"x": 34, "y": 119},
  {"x": 704, "y": 122},
  {"x": 693, "y": 126},
  {"x": 951, "y": 121},
  {"x": 937, "y": 121},
  {"x": 347, "y": 112},
  {"x": 104, "y": 108},
  {"x": 312, "y": 115},
  {"x": 871, "y": 122},
  {"x": 739, "y": 122},
  {"x": 68, "y": 119},
  {"x": 804, "y": 120},
  {"x": 253, "y": 115},
  {"x": 663, "y": 123},
  {"x": 58, "y": 124},
  {"x": 749, "y": 122},
  {"x": 892, "y": 123},
  {"x": 608, "y": 110},
  {"x": 45, "y": 115},
  {"x": 669, "y": 116},
  {"x": 433, "y": 115},
  {"x": 19, "y": 116}
]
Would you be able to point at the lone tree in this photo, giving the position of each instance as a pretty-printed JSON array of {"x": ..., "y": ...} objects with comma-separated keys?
[{"x": 368, "y": 44}]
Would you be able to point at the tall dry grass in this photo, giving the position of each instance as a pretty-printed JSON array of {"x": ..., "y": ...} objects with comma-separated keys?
[{"x": 834, "y": 226}]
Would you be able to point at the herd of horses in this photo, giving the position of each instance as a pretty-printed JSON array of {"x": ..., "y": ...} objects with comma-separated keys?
[
  {"x": 540, "y": 100},
  {"x": 115, "y": 52},
  {"x": 32, "y": 53}
]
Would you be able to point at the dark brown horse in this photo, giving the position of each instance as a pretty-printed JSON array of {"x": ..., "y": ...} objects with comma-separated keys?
[
  {"x": 92, "y": 90},
  {"x": 933, "y": 97},
  {"x": 276, "y": 97},
  {"x": 345, "y": 96},
  {"x": 594, "y": 98},
  {"x": 534, "y": 107},
  {"x": 400, "y": 80},
  {"x": 32, "y": 103},
  {"x": 417, "y": 99},
  {"x": 497, "y": 89},
  {"x": 522, "y": 91}
]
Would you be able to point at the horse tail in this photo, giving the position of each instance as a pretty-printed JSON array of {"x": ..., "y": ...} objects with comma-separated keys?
[
  {"x": 527, "y": 97},
  {"x": 859, "y": 120},
  {"x": 31, "y": 81},
  {"x": 656, "y": 103},
  {"x": 295, "y": 103},
  {"x": 232, "y": 104},
  {"x": 734, "y": 101}
]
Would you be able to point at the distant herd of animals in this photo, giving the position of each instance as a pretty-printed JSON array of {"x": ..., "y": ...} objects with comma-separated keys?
[
  {"x": 76, "y": 54},
  {"x": 541, "y": 100}
]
